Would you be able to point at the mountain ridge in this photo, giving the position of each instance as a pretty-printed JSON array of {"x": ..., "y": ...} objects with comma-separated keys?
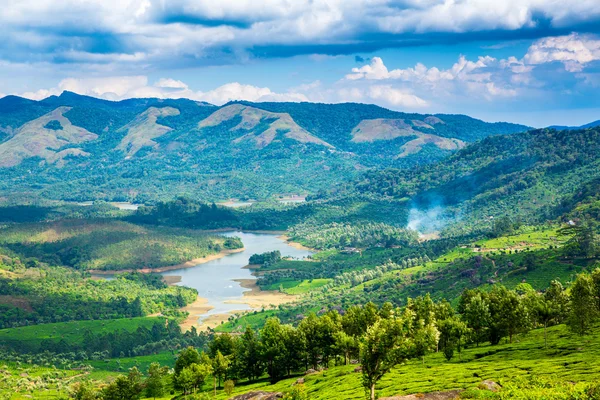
[{"x": 240, "y": 149}]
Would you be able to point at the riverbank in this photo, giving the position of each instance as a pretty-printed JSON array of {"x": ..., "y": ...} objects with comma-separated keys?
[
  {"x": 295, "y": 245},
  {"x": 187, "y": 264},
  {"x": 195, "y": 310},
  {"x": 255, "y": 298}
]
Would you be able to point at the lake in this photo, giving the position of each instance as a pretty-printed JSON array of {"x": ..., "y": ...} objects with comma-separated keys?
[{"x": 214, "y": 279}]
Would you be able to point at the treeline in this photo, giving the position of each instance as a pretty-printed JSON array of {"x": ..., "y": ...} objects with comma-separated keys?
[
  {"x": 59, "y": 295},
  {"x": 186, "y": 213},
  {"x": 363, "y": 235},
  {"x": 382, "y": 337}
]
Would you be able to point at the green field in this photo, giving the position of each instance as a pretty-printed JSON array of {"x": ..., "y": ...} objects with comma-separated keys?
[{"x": 73, "y": 331}]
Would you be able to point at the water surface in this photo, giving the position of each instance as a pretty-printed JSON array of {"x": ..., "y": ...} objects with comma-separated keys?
[{"x": 214, "y": 279}]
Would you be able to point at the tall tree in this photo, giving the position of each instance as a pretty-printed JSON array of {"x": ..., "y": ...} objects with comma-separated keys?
[
  {"x": 249, "y": 355},
  {"x": 155, "y": 386},
  {"x": 583, "y": 312},
  {"x": 386, "y": 343}
]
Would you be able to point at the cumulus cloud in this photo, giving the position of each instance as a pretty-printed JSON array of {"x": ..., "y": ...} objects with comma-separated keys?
[
  {"x": 395, "y": 97},
  {"x": 479, "y": 77},
  {"x": 237, "y": 91},
  {"x": 574, "y": 51}
]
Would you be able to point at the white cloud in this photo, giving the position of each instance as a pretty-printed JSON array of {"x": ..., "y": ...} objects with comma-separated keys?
[
  {"x": 395, "y": 97},
  {"x": 170, "y": 83},
  {"x": 461, "y": 70},
  {"x": 574, "y": 51},
  {"x": 237, "y": 91},
  {"x": 124, "y": 87}
]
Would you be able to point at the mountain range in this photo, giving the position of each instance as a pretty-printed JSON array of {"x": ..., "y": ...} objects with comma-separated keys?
[{"x": 73, "y": 147}]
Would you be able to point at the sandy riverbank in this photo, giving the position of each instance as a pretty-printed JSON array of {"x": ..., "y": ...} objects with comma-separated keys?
[
  {"x": 295, "y": 244},
  {"x": 187, "y": 264},
  {"x": 255, "y": 298},
  {"x": 195, "y": 310}
]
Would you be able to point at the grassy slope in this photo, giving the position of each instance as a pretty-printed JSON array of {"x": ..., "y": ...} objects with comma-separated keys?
[{"x": 568, "y": 358}]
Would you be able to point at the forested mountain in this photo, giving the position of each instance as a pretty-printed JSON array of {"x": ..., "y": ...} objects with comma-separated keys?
[
  {"x": 531, "y": 176},
  {"x": 73, "y": 147}
]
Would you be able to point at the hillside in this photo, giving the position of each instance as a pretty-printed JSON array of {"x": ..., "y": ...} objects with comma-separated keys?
[
  {"x": 73, "y": 147},
  {"x": 526, "y": 176}
]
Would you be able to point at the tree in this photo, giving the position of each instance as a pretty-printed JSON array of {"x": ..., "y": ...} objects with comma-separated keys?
[
  {"x": 220, "y": 364},
  {"x": 582, "y": 239},
  {"x": 84, "y": 390},
  {"x": 273, "y": 348},
  {"x": 476, "y": 314},
  {"x": 547, "y": 308},
  {"x": 200, "y": 373},
  {"x": 508, "y": 314},
  {"x": 155, "y": 386},
  {"x": 187, "y": 357},
  {"x": 452, "y": 330},
  {"x": 127, "y": 387},
  {"x": 386, "y": 343},
  {"x": 583, "y": 311},
  {"x": 184, "y": 380},
  {"x": 345, "y": 345},
  {"x": 248, "y": 355},
  {"x": 229, "y": 385}
]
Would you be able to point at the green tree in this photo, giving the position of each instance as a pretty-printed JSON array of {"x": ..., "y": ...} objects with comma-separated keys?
[
  {"x": 508, "y": 314},
  {"x": 386, "y": 343},
  {"x": 273, "y": 348},
  {"x": 249, "y": 355},
  {"x": 345, "y": 345},
  {"x": 125, "y": 387},
  {"x": 583, "y": 313},
  {"x": 83, "y": 390},
  {"x": 476, "y": 314},
  {"x": 200, "y": 373},
  {"x": 228, "y": 386},
  {"x": 184, "y": 380},
  {"x": 220, "y": 365},
  {"x": 155, "y": 386}
]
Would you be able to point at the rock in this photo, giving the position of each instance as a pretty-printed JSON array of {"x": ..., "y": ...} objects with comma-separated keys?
[
  {"x": 358, "y": 369},
  {"x": 24, "y": 375},
  {"x": 490, "y": 385},
  {"x": 353, "y": 361},
  {"x": 449, "y": 395},
  {"x": 310, "y": 371},
  {"x": 299, "y": 381},
  {"x": 259, "y": 395}
]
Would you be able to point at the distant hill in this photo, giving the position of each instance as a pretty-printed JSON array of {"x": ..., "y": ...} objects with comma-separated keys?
[
  {"x": 74, "y": 147},
  {"x": 589, "y": 125}
]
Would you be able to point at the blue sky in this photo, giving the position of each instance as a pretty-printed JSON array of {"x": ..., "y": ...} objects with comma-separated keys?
[{"x": 531, "y": 61}]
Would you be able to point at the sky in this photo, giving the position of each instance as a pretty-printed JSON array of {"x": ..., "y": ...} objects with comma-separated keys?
[{"x": 535, "y": 62}]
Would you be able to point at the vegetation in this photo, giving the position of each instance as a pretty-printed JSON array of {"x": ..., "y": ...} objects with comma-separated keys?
[{"x": 104, "y": 244}]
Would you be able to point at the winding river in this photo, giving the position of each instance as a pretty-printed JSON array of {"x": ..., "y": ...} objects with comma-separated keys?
[{"x": 214, "y": 280}]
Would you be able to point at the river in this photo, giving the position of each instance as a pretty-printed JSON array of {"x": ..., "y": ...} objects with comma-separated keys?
[{"x": 214, "y": 280}]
